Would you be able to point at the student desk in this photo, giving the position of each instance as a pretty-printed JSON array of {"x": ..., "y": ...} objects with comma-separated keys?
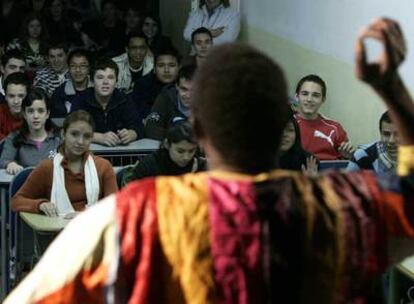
[
  {"x": 402, "y": 281},
  {"x": 5, "y": 180},
  {"x": 127, "y": 154},
  {"x": 43, "y": 223}
]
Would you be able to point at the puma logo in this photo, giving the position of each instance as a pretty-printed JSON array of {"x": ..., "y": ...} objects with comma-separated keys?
[{"x": 319, "y": 134}]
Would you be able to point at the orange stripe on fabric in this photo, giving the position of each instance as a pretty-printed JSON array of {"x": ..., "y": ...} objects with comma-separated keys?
[
  {"x": 182, "y": 206},
  {"x": 87, "y": 287}
]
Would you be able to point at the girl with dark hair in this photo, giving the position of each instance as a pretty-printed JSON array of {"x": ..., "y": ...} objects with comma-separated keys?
[
  {"x": 292, "y": 155},
  {"x": 177, "y": 155},
  {"x": 73, "y": 180},
  {"x": 32, "y": 42},
  {"x": 151, "y": 27},
  {"x": 36, "y": 140}
]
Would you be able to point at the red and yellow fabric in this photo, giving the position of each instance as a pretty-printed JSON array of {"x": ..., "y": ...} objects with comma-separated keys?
[{"x": 220, "y": 237}]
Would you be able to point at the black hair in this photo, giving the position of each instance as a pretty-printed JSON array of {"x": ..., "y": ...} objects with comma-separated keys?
[
  {"x": 157, "y": 19},
  {"x": 78, "y": 52},
  {"x": 226, "y": 3},
  {"x": 136, "y": 34},
  {"x": 201, "y": 30},
  {"x": 240, "y": 94},
  {"x": 103, "y": 63},
  {"x": 180, "y": 130},
  {"x": 17, "y": 78},
  {"x": 12, "y": 54},
  {"x": 385, "y": 117},
  {"x": 312, "y": 78},
  {"x": 186, "y": 72},
  {"x": 35, "y": 94},
  {"x": 57, "y": 45},
  {"x": 168, "y": 50}
]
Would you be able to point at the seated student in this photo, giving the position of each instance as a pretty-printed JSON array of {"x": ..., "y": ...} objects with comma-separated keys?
[
  {"x": 147, "y": 88},
  {"x": 52, "y": 76},
  {"x": 380, "y": 156},
  {"x": 12, "y": 61},
  {"x": 243, "y": 233},
  {"x": 173, "y": 102},
  {"x": 135, "y": 63},
  {"x": 37, "y": 138},
  {"x": 176, "y": 156},
  {"x": 115, "y": 116},
  {"x": 16, "y": 88},
  {"x": 324, "y": 138},
  {"x": 73, "y": 180},
  {"x": 152, "y": 28},
  {"x": 201, "y": 41},
  {"x": 291, "y": 154},
  {"x": 76, "y": 84}
]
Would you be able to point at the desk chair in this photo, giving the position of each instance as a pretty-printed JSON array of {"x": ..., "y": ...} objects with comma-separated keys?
[{"x": 15, "y": 225}]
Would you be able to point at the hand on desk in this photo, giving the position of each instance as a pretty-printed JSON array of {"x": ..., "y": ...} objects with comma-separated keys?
[
  {"x": 13, "y": 168},
  {"x": 126, "y": 136},
  {"x": 49, "y": 209},
  {"x": 107, "y": 139}
]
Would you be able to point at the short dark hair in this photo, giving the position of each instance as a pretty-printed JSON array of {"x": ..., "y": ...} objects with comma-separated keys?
[
  {"x": 167, "y": 50},
  {"x": 186, "y": 72},
  {"x": 180, "y": 130},
  {"x": 12, "y": 54},
  {"x": 226, "y": 3},
  {"x": 105, "y": 2},
  {"x": 312, "y": 78},
  {"x": 136, "y": 34},
  {"x": 201, "y": 30},
  {"x": 57, "y": 45},
  {"x": 79, "y": 52},
  {"x": 103, "y": 63},
  {"x": 17, "y": 78},
  {"x": 238, "y": 94},
  {"x": 385, "y": 117}
]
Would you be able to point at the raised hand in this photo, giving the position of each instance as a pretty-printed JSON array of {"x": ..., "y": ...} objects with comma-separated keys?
[{"x": 384, "y": 69}]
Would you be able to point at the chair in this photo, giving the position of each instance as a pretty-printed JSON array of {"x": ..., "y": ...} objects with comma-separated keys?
[{"x": 15, "y": 224}]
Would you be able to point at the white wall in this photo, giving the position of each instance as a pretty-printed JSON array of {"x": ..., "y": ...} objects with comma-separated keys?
[{"x": 330, "y": 26}]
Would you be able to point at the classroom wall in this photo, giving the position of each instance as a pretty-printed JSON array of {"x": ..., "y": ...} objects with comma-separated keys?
[{"x": 316, "y": 37}]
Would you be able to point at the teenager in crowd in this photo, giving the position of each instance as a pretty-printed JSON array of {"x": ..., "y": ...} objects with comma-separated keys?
[
  {"x": 36, "y": 140},
  {"x": 151, "y": 26},
  {"x": 73, "y": 180},
  {"x": 177, "y": 155},
  {"x": 244, "y": 232}
]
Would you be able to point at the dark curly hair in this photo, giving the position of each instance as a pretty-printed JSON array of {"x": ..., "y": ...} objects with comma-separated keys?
[{"x": 239, "y": 97}]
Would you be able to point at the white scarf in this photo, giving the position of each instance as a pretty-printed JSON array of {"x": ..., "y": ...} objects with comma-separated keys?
[{"x": 59, "y": 195}]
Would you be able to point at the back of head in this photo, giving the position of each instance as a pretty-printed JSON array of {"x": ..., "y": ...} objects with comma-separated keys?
[{"x": 239, "y": 97}]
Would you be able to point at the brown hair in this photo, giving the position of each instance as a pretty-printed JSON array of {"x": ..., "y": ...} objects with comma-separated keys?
[
  {"x": 240, "y": 96},
  {"x": 79, "y": 115}
]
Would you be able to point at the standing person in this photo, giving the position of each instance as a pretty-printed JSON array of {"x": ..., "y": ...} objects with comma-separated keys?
[
  {"x": 177, "y": 155},
  {"x": 324, "y": 138},
  {"x": 202, "y": 41},
  {"x": 135, "y": 63},
  {"x": 241, "y": 232},
  {"x": 76, "y": 85},
  {"x": 17, "y": 85},
  {"x": 380, "y": 156},
  {"x": 218, "y": 17},
  {"x": 37, "y": 138},
  {"x": 73, "y": 180},
  {"x": 115, "y": 116}
]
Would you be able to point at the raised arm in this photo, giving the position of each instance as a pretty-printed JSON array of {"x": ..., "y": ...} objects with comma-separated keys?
[{"x": 382, "y": 75}]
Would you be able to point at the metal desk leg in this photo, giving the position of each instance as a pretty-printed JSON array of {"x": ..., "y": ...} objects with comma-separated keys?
[{"x": 4, "y": 248}]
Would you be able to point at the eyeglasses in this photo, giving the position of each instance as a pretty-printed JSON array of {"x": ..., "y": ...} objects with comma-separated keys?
[{"x": 79, "y": 67}]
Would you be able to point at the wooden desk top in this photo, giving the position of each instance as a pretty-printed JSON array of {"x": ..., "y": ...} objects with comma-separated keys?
[
  {"x": 43, "y": 223},
  {"x": 144, "y": 144}
]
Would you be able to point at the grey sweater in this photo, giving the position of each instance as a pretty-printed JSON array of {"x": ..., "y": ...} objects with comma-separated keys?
[{"x": 28, "y": 155}]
